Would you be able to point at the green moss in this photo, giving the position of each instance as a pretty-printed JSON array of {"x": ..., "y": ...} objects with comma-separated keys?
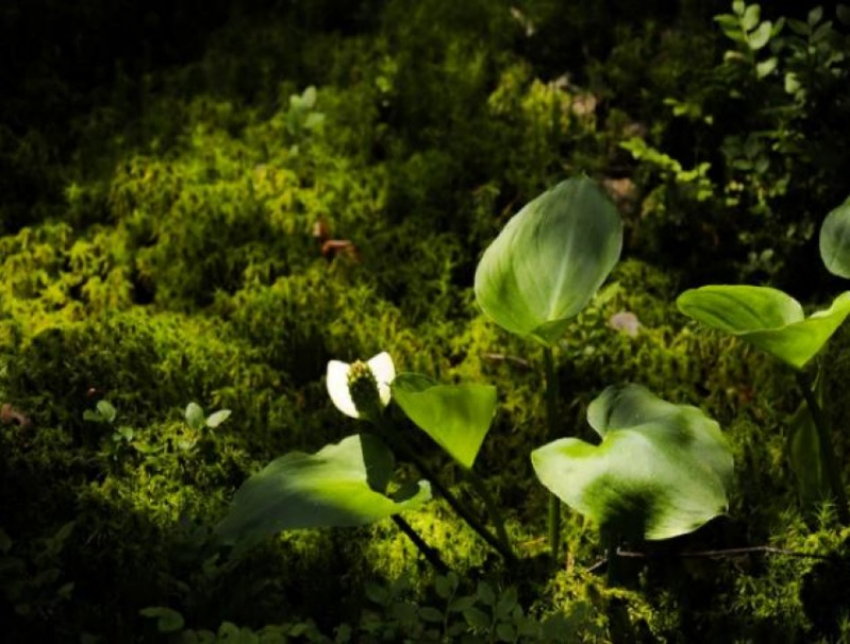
[{"x": 170, "y": 257}]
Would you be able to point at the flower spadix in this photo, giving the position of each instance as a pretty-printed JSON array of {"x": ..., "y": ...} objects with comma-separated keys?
[{"x": 361, "y": 389}]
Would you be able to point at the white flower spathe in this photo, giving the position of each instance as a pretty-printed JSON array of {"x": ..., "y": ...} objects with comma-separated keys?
[{"x": 382, "y": 368}]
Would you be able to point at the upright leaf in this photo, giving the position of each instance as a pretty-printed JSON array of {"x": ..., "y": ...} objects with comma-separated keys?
[
  {"x": 805, "y": 456},
  {"x": 194, "y": 416},
  {"x": 662, "y": 470},
  {"x": 835, "y": 241},
  {"x": 549, "y": 260},
  {"x": 767, "y": 318},
  {"x": 340, "y": 485},
  {"x": 457, "y": 417}
]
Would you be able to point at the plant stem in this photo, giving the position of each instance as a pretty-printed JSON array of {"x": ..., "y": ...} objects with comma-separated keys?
[
  {"x": 430, "y": 553},
  {"x": 618, "y": 615},
  {"x": 492, "y": 509},
  {"x": 408, "y": 452},
  {"x": 709, "y": 554},
  {"x": 826, "y": 451},
  {"x": 613, "y": 572},
  {"x": 551, "y": 411}
]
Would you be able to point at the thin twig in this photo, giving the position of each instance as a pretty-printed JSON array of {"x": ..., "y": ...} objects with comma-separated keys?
[
  {"x": 727, "y": 552},
  {"x": 711, "y": 554},
  {"x": 502, "y": 357}
]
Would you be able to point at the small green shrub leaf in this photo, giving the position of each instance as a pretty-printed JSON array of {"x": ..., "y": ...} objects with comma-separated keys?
[
  {"x": 106, "y": 410},
  {"x": 486, "y": 594},
  {"x": 662, "y": 470},
  {"x": 835, "y": 241},
  {"x": 766, "y": 67},
  {"x": 457, "y": 417},
  {"x": 730, "y": 25},
  {"x": 167, "y": 619},
  {"x": 429, "y": 614},
  {"x": 506, "y": 604},
  {"x": 506, "y": 632},
  {"x": 767, "y": 318},
  {"x": 340, "y": 485},
  {"x": 760, "y": 37},
  {"x": 376, "y": 593},
  {"x": 751, "y": 17},
  {"x": 460, "y": 604},
  {"x": 549, "y": 260},
  {"x": 446, "y": 585},
  {"x": 476, "y": 618}
]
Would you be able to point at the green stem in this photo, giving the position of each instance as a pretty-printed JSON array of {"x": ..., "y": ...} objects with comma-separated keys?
[
  {"x": 826, "y": 451},
  {"x": 618, "y": 615},
  {"x": 492, "y": 509},
  {"x": 430, "y": 553},
  {"x": 409, "y": 453},
  {"x": 551, "y": 420}
]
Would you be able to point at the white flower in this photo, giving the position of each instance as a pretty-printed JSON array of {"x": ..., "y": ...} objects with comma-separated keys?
[{"x": 381, "y": 368}]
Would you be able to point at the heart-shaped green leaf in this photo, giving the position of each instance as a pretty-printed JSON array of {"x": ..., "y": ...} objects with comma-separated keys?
[
  {"x": 340, "y": 485},
  {"x": 767, "y": 318},
  {"x": 549, "y": 260},
  {"x": 457, "y": 417},
  {"x": 835, "y": 241},
  {"x": 662, "y": 470}
]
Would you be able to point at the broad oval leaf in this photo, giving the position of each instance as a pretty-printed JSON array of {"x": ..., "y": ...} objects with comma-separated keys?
[
  {"x": 340, "y": 485},
  {"x": 549, "y": 260},
  {"x": 769, "y": 319},
  {"x": 457, "y": 417},
  {"x": 662, "y": 470},
  {"x": 835, "y": 241}
]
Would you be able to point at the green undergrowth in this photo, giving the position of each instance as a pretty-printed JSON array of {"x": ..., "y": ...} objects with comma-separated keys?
[
  {"x": 141, "y": 509},
  {"x": 171, "y": 246}
]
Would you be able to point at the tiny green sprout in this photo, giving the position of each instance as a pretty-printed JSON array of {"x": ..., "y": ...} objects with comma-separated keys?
[
  {"x": 167, "y": 620},
  {"x": 361, "y": 390},
  {"x": 194, "y": 416},
  {"x": 123, "y": 434},
  {"x": 104, "y": 412}
]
